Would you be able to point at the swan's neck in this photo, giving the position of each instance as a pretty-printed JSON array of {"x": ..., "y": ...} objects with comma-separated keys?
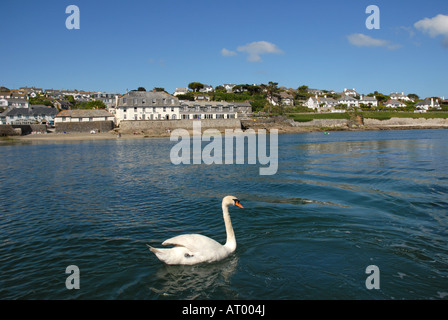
[{"x": 231, "y": 241}]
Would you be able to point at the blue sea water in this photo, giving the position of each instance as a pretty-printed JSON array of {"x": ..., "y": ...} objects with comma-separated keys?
[{"x": 338, "y": 203}]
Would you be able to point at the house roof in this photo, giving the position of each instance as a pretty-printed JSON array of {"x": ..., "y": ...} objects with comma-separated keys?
[
  {"x": 32, "y": 110},
  {"x": 395, "y": 102},
  {"x": 426, "y": 102},
  {"x": 345, "y": 98},
  {"x": 150, "y": 96},
  {"x": 368, "y": 99},
  {"x": 84, "y": 113}
]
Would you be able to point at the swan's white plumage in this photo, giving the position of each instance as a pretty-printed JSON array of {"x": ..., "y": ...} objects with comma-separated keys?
[{"x": 195, "y": 248}]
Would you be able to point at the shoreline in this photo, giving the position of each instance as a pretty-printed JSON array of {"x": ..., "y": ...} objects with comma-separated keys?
[{"x": 67, "y": 137}]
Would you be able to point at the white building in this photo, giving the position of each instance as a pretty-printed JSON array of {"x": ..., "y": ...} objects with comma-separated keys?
[
  {"x": 395, "y": 104},
  {"x": 428, "y": 104},
  {"x": 3, "y": 103},
  {"x": 228, "y": 86},
  {"x": 399, "y": 96},
  {"x": 83, "y": 115},
  {"x": 108, "y": 98},
  {"x": 368, "y": 101},
  {"x": 180, "y": 91},
  {"x": 147, "y": 105},
  {"x": 207, "y": 88},
  {"x": 350, "y": 92},
  {"x": 321, "y": 103},
  {"x": 17, "y": 103},
  {"x": 349, "y": 101},
  {"x": 35, "y": 114},
  {"x": 213, "y": 109}
]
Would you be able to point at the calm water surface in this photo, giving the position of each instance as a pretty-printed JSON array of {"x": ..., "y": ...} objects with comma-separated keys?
[{"x": 338, "y": 203}]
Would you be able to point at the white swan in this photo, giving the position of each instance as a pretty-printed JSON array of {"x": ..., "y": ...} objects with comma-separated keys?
[{"x": 195, "y": 248}]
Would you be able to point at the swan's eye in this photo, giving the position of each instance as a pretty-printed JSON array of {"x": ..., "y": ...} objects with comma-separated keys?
[{"x": 237, "y": 203}]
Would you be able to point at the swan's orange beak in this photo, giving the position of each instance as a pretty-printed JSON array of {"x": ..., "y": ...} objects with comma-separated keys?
[{"x": 237, "y": 203}]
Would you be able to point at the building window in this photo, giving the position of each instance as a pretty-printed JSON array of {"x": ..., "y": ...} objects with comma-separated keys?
[
  {"x": 124, "y": 100},
  {"x": 143, "y": 101},
  {"x": 164, "y": 109}
]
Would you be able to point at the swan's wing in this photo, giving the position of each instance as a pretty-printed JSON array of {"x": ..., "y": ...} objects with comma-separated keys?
[{"x": 193, "y": 242}]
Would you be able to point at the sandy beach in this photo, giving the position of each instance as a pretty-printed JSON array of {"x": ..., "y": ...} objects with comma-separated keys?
[{"x": 60, "y": 137}]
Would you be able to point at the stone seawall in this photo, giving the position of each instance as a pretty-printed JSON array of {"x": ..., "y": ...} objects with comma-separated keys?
[
  {"x": 327, "y": 123},
  {"x": 84, "y": 127},
  {"x": 161, "y": 127},
  {"x": 407, "y": 122},
  {"x": 30, "y": 128},
  {"x": 8, "y": 130}
]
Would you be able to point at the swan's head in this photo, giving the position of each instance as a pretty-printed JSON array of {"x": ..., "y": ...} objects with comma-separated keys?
[{"x": 231, "y": 200}]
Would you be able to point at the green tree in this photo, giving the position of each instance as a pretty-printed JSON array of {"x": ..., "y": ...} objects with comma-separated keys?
[
  {"x": 413, "y": 96},
  {"x": 220, "y": 89},
  {"x": 70, "y": 98},
  {"x": 302, "y": 88},
  {"x": 195, "y": 86},
  {"x": 188, "y": 96},
  {"x": 141, "y": 89}
]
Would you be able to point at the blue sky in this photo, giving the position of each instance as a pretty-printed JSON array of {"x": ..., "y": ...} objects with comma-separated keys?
[{"x": 323, "y": 44}]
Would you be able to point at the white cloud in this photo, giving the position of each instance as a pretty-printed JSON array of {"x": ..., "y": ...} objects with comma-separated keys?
[
  {"x": 434, "y": 27},
  {"x": 257, "y": 48},
  {"x": 362, "y": 40},
  {"x": 228, "y": 53}
]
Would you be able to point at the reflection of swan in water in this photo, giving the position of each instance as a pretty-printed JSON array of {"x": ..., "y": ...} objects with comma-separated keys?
[
  {"x": 195, "y": 248},
  {"x": 210, "y": 281}
]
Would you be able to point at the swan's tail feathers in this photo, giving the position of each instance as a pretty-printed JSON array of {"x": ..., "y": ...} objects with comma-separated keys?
[{"x": 152, "y": 249}]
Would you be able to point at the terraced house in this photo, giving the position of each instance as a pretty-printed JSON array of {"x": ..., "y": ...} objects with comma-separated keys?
[
  {"x": 34, "y": 114},
  {"x": 213, "y": 109}
]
